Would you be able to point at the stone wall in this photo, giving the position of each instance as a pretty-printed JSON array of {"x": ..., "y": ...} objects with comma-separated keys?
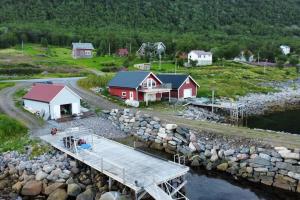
[{"x": 250, "y": 159}]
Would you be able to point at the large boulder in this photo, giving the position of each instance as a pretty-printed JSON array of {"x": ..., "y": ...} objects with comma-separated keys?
[
  {"x": 58, "y": 194},
  {"x": 171, "y": 126},
  {"x": 40, "y": 176},
  {"x": 222, "y": 167},
  {"x": 89, "y": 194},
  {"x": 111, "y": 196},
  {"x": 32, "y": 188},
  {"x": 17, "y": 187},
  {"x": 73, "y": 189},
  {"x": 51, "y": 188}
]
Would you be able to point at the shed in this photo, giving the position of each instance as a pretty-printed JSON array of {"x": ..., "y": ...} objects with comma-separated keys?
[{"x": 52, "y": 101}]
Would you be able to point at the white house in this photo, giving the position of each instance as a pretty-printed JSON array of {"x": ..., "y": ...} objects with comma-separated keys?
[
  {"x": 285, "y": 49},
  {"x": 52, "y": 101},
  {"x": 202, "y": 57}
]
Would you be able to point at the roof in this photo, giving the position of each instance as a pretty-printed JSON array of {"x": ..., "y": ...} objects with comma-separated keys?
[
  {"x": 82, "y": 45},
  {"x": 43, "y": 92},
  {"x": 175, "y": 79},
  {"x": 131, "y": 79},
  {"x": 200, "y": 52}
]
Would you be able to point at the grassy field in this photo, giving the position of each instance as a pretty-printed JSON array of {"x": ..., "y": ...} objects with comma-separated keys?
[{"x": 228, "y": 79}]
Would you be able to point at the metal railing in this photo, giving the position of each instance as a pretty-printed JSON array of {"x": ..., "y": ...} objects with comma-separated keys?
[{"x": 157, "y": 87}]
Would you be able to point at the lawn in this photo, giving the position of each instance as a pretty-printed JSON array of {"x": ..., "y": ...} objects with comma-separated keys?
[
  {"x": 228, "y": 79},
  {"x": 232, "y": 79}
]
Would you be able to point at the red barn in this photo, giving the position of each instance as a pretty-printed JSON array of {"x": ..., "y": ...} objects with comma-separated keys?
[
  {"x": 183, "y": 86},
  {"x": 139, "y": 86},
  {"x": 122, "y": 52}
]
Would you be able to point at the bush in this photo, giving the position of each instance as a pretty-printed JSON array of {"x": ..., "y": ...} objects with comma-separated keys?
[
  {"x": 95, "y": 81},
  {"x": 110, "y": 69},
  {"x": 108, "y": 64}
]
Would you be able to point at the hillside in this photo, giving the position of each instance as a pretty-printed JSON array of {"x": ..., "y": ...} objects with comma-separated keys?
[{"x": 181, "y": 24}]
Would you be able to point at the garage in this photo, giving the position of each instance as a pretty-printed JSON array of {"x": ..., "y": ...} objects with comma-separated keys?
[
  {"x": 187, "y": 93},
  {"x": 52, "y": 101}
]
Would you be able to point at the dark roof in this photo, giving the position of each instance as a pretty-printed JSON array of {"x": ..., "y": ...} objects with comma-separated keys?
[
  {"x": 175, "y": 79},
  {"x": 131, "y": 79},
  {"x": 80, "y": 45}
]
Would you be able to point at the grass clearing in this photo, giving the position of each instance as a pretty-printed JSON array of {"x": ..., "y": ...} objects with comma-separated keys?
[{"x": 13, "y": 134}]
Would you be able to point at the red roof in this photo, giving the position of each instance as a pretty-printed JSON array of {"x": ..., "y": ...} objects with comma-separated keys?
[{"x": 43, "y": 92}]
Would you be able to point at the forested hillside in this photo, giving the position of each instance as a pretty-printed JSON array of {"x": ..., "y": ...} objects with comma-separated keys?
[{"x": 181, "y": 24}]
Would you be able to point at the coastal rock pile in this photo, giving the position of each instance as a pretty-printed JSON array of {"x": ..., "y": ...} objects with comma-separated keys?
[
  {"x": 278, "y": 167},
  {"x": 197, "y": 113},
  {"x": 51, "y": 176}
]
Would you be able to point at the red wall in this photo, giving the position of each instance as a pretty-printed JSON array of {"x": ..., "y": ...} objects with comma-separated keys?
[
  {"x": 188, "y": 86},
  {"x": 117, "y": 91}
]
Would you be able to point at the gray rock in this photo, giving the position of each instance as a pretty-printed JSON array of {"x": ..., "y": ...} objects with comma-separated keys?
[
  {"x": 40, "y": 176},
  {"x": 89, "y": 194},
  {"x": 260, "y": 161},
  {"x": 265, "y": 156},
  {"x": 229, "y": 152},
  {"x": 73, "y": 189}
]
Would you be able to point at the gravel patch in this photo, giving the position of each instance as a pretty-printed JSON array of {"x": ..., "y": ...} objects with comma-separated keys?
[{"x": 98, "y": 124}]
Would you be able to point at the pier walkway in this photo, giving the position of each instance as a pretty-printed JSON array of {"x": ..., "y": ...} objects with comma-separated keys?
[{"x": 140, "y": 172}]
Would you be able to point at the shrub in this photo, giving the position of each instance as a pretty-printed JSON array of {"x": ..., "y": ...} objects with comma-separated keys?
[
  {"x": 95, "y": 81},
  {"x": 110, "y": 69}
]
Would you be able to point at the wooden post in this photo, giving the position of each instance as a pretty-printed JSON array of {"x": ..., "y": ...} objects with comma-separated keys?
[
  {"x": 212, "y": 101},
  {"x": 169, "y": 96},
  {"x": 109, "y": 183}
]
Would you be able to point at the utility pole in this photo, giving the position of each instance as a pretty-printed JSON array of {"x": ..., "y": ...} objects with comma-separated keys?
[
  {"x": 265, "y": 67},
  {"x": 22, "y": 47},
  {"x": 175, "y": 65},
  {"x": 109, "y": 48},
  {"x": 159, "y": 61},
  {"x": 130, "y": 47},
  {"x": 258, "y": 57}
]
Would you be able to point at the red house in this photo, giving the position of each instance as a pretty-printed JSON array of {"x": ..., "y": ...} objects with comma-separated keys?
[
  {"x": 139, "y": 86},
  {"x": 183, "y": 86},
  {"x": 122, "y": 52}
]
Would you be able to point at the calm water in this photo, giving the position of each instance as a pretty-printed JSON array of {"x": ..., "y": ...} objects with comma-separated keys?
[
  {"x": 205, "y": 185},
  {"x": 288, "y": 121}
]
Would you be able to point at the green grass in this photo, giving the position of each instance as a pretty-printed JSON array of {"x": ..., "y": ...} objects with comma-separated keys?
[
  {"x": 228, "y": 79},
  {"x": 13, "y": 134},
  {"x": 5, "y": 85},
  {"x": 232, "y": 79},
  {"x": 95, "y": 81}
]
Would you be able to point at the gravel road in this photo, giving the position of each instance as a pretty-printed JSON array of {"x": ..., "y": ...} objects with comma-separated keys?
[{"x": 7, "y": 105}]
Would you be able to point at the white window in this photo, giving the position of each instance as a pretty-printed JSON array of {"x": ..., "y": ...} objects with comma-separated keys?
[
  {"x": 123, "y": 94},
  {"x": 187, "y": 81},
  {"x": 87, "y": 53}
]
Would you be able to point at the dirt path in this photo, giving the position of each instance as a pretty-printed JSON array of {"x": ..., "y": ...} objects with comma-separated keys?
[
  {"x": 7, "y": 105},
  {"x": 93, "y": 99}
]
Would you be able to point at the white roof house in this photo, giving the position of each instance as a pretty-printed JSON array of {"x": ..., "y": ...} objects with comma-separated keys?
[
  {"x": 52, "y": 101},
  {"x": 202, "y": 57},
  {"x": 285, "y": 49}
]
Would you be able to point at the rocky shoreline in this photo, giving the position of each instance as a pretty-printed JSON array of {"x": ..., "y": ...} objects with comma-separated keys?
[
  {"x": 53, "y": 176},
  {"x": 249, "y": 159},
  {"x": 286, "y": 97}
]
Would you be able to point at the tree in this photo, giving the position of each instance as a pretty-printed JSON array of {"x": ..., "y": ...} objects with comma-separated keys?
[
  {"x": 44, "y": 42},
  {"x": 294, "y": 60}
]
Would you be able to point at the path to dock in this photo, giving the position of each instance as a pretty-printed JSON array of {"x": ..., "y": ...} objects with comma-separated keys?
[{"x": 136, "y": 170}]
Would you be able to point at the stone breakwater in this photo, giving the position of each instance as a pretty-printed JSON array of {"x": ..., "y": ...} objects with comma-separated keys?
[
  {"x": 250, "y": 159},
  {"x": 52, "y": 176},
  {"x": 288, "y": 95}
]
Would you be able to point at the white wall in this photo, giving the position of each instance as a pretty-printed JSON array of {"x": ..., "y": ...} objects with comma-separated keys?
[
  {"x": 37, "y": 106},
  {"x": 202, "y": 60},
  {"x": 65, "y": 96}
]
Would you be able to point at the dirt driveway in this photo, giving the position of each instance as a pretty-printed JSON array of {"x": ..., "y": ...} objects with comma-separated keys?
[{"x": 7, "y": 105}]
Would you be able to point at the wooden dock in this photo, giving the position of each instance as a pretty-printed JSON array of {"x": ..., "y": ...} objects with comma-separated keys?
[{"x": 140, "y": 172}]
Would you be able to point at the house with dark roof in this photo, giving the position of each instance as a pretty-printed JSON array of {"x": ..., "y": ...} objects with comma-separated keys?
[
  {"x": 183, "y": 86},
  {"x": 138, "y": 86},
  {"x": 82, "y": 50},
  {"x": 52, "y": 101}
]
